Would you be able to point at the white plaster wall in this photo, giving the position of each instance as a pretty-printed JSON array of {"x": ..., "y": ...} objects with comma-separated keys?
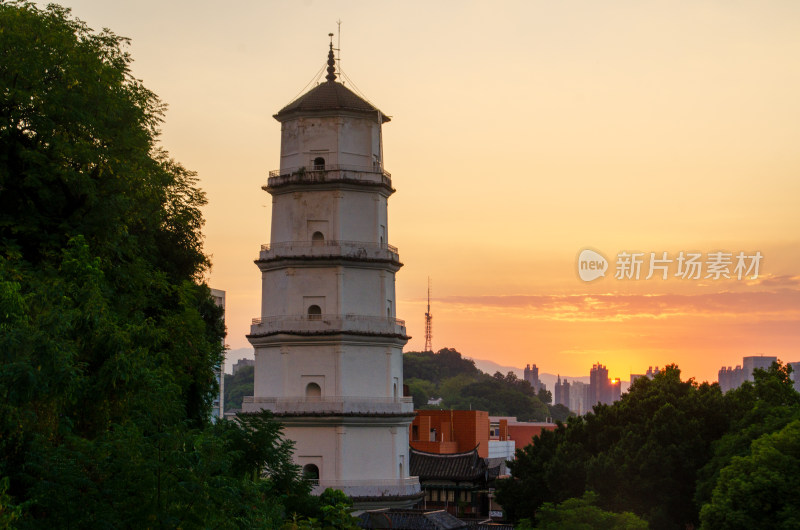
[
  {"x": 274, "y": 286},
  {"x": 303, "y": 139},
  {"x": 294, "y": 215},
  {"x": 308, "y": 364},
  {"x": 363, "y": 450},
  {"x": 356, "y": 142},
  {"x": 354, "y": 370},
  {"x": 291, "y": 144},
  {"x": 285, "y": 291},
  {"x": 364, "y": 291},
  {"x": 350, "y": 216},
  {"x": 364, "y": 371},
  {"x": 315, "y": 445},
  {"x": 340, "y": 140},
  {"x": 367, "y": 453},
  {"x": 361, "y": 216},
  {"x": 396, "y": 367},
  {"x": 268, "y": 377}
]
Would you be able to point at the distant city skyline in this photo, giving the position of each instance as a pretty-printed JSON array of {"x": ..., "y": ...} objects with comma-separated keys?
[{"x": 522, "y": 133}]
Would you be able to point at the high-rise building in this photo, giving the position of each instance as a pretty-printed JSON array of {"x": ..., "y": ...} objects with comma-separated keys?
[
  {"x": 599, "y": 386},
  {"x": 328, "y": 345},
  {"x": 795, "y": 374},
  {"x": 649, "y": 374},
  {"x": 562, "y": 393},
  {"x": 218, "y": 404},
  {"x": 241, "y": 363},
  {"x": 577, "y": 395},
  {"x": 730, "y": 378},
  {"x": 616, "y": 389},
  {"x": 531, "y": 375}
]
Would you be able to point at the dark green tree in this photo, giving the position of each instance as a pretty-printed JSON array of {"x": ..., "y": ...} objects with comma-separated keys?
[
  {"x": 756, "y": 408},
  {"x": 584, "y": 514},
  {"x": 421, "y": 391},
  {"x": 759, "y": 490},
  {"x": 437, "y": 367},
  {"x": 108, "y": 337},
  {"x": 641, "y": 454},
  {"x": 239, "y": 385}
]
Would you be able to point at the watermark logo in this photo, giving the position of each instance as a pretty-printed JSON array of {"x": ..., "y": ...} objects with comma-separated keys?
[
  {"x": 591, "y": 265},
  {"x": 662, "y": 265}
]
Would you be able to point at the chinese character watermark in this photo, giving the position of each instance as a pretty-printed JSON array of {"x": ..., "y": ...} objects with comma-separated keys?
[{"x": 631, "y": 265}]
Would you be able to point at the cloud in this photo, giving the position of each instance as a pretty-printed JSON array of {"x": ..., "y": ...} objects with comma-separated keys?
[
  {"x": 783, "y": 304},
  {"x": 777, "y": 281}
]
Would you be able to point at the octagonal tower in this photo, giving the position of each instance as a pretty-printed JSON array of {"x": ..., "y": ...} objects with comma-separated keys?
[{"x": 328, "y": 345}]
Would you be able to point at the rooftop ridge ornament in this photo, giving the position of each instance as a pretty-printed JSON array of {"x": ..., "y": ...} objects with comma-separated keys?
[{"x": 331, "y": 77}]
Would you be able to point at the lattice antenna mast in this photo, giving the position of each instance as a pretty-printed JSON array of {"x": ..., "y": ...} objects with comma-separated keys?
[
  {"x": 339, "y": 43},
  {"x": 429, "y": 322}
]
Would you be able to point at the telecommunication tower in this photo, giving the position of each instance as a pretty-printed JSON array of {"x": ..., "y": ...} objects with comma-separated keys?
[{"x": 429, "y": 322}]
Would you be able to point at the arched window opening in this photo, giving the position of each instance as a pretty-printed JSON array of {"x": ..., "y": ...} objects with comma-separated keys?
[
  {"x": 317, "y": 239},
  {"x": 310, "y": 472},
  {"x": 395, "y": 390},
  {"x": 319, "y": 163},
  {"x": 314, "y": 312},
  {"x": 313, "y": 391}
]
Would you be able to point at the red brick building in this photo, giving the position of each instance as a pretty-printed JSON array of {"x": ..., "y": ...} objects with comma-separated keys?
[{"x": 450, "y": 431}]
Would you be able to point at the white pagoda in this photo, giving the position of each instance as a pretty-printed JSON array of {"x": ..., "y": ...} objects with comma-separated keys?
[{"x": 328, "y": 345}]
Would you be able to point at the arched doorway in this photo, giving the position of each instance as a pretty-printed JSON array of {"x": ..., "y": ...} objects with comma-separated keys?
[
  {"x": 319, "y": 163},
  {"x": 313, "y": 391},
  {"x": 314, "y": 312},
  {"x": 317, "y": 239},
  {"x": 310, "y": 472}
]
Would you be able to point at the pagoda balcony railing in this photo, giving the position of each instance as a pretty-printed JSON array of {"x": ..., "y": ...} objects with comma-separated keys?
[
  {"x": 332, "y": 248},
  {"x": 330, "y": 405},
  {"x": 328, "y": 322},
  {"x": 329, "y": 173}
]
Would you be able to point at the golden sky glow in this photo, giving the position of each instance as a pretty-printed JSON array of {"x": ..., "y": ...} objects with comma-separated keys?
[{"x": 521, "y": 133}]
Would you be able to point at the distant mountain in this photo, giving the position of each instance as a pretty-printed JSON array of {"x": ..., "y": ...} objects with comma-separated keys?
[
  {"x": 231, "y": 356},
  {"x": 490, "y": 367}
]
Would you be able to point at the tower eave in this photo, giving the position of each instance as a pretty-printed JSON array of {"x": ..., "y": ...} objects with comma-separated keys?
[
  {"x": 328, "y": 113},
  {"x": 330, "y": 99}
]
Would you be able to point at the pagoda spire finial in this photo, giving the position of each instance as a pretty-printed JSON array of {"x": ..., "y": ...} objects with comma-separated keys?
[{"x": 331, "y": 77}]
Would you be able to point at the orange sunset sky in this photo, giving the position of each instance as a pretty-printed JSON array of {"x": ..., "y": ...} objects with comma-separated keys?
[{"x": 521, "y": 133}]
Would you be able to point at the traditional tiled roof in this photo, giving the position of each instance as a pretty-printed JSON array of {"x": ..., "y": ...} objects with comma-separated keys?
[
  {"x": 410, "y": 520},
  {"x": 455, "y": 466},
  {"x": 329, "y": 96}
]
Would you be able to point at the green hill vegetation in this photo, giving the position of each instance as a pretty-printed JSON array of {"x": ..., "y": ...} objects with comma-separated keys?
[
  {"x": 238, "y": 386},
  {"x": 462, "y": 386}
]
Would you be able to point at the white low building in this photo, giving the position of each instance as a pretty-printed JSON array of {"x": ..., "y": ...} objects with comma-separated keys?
[{"x": 328, "y": 345}]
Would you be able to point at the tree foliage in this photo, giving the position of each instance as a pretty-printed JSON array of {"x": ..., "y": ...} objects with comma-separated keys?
[
  {"x": 584, "y": 514},
  {"x": 437, "y": 367},
  {"x": 239, "y": 385},
  {"x": 658, "y": 450},
  {"x": 461, "y": 385},
  {"x": 759, "y": 490},
  {"x": 108, "y": 337}
]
